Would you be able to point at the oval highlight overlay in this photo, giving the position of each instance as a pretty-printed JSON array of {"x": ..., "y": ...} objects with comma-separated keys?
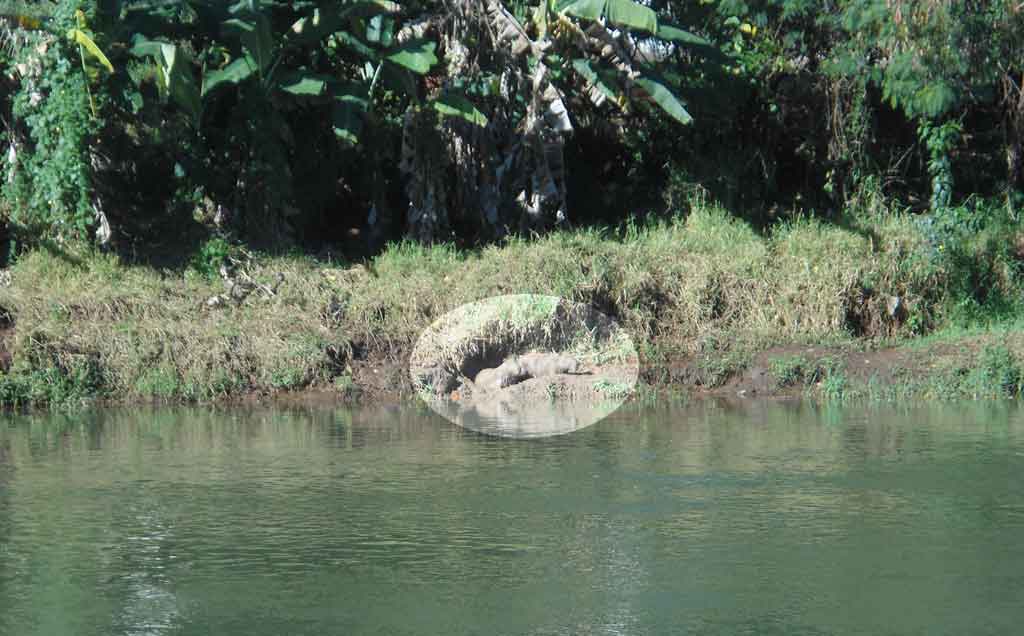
[{"x": 524, "y": 366}]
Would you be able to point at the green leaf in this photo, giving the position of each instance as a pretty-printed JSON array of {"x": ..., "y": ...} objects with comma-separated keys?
[
  {"x": 622, "y": 13},
  {"x": 664, "y": 98},
  {"x": 356, "y": 45},
  {"x": 143, "y": 47},
  {"x": 175, "y": 71},
  {"x": 256, "y": 38},
  {"x": 632, "y": 15},
  {"x": 934, "y": 99},
  {"x": 558, "y": 5},
  {"x": 82, "y": 39},
  {"x": 234, "y": 73},
  {"x": 690, "y": 41},
  {"x": 381, "y": 30},
  {"x": 304, "y": 84},
  {"x": 181, "y": 84},
  {"x": 586, "y": 9},
  {"x": 457, "y": 105},
  {"x": 324, "y": 22},
  {"x": 415, "y": 55},
  {"x": 350, "y": 107},
  {"x": 593, "y": 79}
]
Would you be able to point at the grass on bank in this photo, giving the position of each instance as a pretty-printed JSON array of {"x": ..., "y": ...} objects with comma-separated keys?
[
  {"x": 995, "y": 372},
  {"x": 953, "y": 366},
  {"x": 704, "y": 285}
]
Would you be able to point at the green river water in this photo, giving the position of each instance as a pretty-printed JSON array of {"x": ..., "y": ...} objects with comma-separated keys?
[{"x": 709, "y": 519}]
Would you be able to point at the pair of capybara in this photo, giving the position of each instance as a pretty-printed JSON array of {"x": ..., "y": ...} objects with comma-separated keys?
[{"x": 517, "y": 369}]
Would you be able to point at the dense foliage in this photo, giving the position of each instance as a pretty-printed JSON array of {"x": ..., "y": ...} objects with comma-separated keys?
[{"x": 149, "y": 124}]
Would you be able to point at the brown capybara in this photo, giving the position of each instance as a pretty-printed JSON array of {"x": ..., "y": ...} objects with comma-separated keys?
[
  {"x": 510, "y": 372},
  {"x": 539, "y": 365}
]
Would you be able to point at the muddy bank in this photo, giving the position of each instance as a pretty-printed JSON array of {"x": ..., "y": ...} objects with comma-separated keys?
[
  {"x": 967, "y": 367},
  {"x": 956, "y": 369}
]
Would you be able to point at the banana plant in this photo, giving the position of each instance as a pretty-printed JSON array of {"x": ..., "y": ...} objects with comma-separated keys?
[
  {"x": 258, "y": 57},
  {"x": 80, "y": 35},
  {"x": 557, "y": 58},
  {"x": 615, "y": 48}
]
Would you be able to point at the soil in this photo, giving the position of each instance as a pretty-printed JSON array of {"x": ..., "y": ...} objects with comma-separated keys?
[
  {"x": 592, "y": 385},
  {"x": 860, "y": 366},
  {"x": 381, "y": 377},
  {"x": 385, "y": 379}
]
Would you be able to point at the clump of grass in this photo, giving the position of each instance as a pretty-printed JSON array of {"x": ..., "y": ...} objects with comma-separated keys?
[
  {"x": 50, "y": 385},
  {"x": 161, "y": 382},
  {"x": 716, "y": 368},
  {"x": 834, "y": 387},
  {"x": 674, "y": 280},
  {"x": 996, "y": 374},
  {"x": 151, "y": 334},
  {"x": 346, "y": 385},
  {"x": 613, "y": 390},
  {"x": 789, "y": 370},
  {"x": 502, "y": 324},
  {"x": 828, "y": 377}
]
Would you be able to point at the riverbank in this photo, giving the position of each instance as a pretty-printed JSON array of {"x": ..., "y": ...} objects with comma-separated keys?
[{"x": 884, "y": 305}]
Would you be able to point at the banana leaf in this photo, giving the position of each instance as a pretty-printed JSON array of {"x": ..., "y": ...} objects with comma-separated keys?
[
  {"x": 256, "y": 38},
  {"x": 236, "y": 72},
  {"x": 664, "y": 98},
  {"x": 690, "y": 41},
  {"x": 598, "y": 88},
  {"x": 330, "y": 18},
  {"x": 350, "y": 107},
  {"x": 181, "y": 84},
  {"x": 82, "y": 38},
  {"x": 621, "y": 13},
  {"x": 415, "y": 55},
  {"x": 303, "y": 84},
  {"x": 454, "y": 104}
]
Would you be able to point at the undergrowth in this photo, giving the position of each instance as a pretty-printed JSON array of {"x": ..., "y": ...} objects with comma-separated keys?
[{"x": 703, "y": 284}]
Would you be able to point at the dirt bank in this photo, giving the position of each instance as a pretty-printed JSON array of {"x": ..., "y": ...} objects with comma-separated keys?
[
  {"x": 943, "y": 369},
  {"x": 950, "y": 366},
  {"x": 966, "y": 366}
]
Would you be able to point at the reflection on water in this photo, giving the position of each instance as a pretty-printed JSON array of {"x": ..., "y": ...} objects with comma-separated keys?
[
  {"x": 717, "y": 519},
  {"x": 525, "y": 418}
]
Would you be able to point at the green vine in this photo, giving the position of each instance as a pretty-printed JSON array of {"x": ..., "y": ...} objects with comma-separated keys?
[
  {"x": 51, "y": 187},
  {"x": 940, "y": 140}
]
